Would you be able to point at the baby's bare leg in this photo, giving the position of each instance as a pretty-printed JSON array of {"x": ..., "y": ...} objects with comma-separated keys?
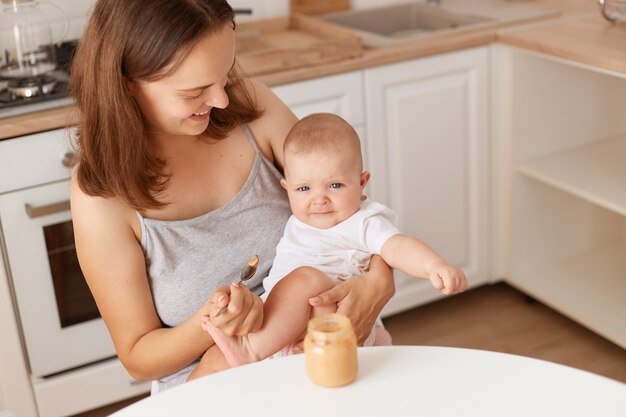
[
  {"x": 212, "y": 361},
  {"x": 286, "y": 314},
  {"x": 315, "y": 311}
]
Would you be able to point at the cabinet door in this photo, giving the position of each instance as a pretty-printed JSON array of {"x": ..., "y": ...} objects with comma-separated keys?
[
  {"x": 427, "y": 130},
  {"x": 340, "y": 94},
  {"x": 16, "y": 395}
]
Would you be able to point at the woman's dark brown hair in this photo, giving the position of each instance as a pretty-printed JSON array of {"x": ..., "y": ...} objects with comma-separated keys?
[{"x": 138, "y": 40}]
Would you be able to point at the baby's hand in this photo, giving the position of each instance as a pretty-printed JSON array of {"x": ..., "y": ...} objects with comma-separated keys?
[{"x": 447, "y": 278}]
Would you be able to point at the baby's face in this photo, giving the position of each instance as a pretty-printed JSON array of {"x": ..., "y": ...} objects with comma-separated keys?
[{"x": 323, "y": 189}]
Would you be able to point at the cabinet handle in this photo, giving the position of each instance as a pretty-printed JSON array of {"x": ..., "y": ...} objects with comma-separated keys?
[
  {"x": 34, "y": 212},
  {"x": 135, "y": 382}
]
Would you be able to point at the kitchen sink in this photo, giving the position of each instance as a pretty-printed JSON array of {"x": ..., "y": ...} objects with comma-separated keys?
[
  {"x": 391, "y": 24},
  {"x": 403, "y": 20}
]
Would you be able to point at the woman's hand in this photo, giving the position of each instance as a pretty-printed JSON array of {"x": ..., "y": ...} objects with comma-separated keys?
[
  {"x": 243, "y": 310},
  {"x": 361, "y": 298}
]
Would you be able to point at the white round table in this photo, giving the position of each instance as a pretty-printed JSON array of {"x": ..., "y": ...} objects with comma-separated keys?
[{"x": 397, "y": 381}]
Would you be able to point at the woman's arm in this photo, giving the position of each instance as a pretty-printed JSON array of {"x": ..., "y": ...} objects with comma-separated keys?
[
  {"x": 114, "y": 266},
  {"x": 363, "y": 297},
  {"x": 271, "y": 129}
]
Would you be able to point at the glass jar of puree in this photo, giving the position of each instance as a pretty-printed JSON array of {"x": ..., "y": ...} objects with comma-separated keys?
[{"x": 330, "y": 350}]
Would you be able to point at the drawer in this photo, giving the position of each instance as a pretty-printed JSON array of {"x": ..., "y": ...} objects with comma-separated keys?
[
  {"x": 35, "y": 159},
  {"x": 85, "y": 389}
]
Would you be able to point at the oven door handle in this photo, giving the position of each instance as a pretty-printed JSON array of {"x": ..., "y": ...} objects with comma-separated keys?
[{"x": 40, "y": 211}]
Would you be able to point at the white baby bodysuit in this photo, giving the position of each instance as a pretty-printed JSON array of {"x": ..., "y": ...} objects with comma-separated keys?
[{"x": 341, "y": 251}]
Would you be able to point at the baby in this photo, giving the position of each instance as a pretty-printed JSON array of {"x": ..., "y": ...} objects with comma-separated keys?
[{"x": 330, "y": 237}]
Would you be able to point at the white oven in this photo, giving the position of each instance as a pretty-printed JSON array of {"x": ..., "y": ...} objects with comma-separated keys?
[{"x": 65, "y": 339}]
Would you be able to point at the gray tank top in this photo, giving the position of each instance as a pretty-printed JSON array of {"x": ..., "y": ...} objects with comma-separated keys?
[{"x": 187, "y": 260}]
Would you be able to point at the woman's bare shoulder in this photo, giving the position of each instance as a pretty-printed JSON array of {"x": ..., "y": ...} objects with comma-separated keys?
[
  {"x": 270, "y": 130},
  {"x": 92, "y": 215}
]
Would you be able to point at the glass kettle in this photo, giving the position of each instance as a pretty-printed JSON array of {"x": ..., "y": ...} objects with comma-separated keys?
[
  {"x": 26, "y": 41},
  {"x": 613, "y": 10}
]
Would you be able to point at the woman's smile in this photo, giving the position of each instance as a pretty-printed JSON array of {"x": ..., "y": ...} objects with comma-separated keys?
[{"x": 200, "y": 116}]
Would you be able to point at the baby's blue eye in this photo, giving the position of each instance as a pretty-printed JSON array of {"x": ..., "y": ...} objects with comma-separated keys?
[
  {"x": 336, "y": 185},
  {"x": 304, "y": 188}
]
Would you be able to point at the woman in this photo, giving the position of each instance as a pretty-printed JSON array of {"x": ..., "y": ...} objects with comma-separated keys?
[{"x": 177, "y": 185}]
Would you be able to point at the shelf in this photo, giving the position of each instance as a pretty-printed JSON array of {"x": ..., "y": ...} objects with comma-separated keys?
[
  {"x": 590, "y": 288},
  {"x": 596, "y": 173}
]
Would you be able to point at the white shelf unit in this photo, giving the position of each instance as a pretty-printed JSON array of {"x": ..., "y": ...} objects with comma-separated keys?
[
  {"x": 562, "y": 157},
  {"x": 570, "y": 254},
  {"x": 594, "y": 172}
]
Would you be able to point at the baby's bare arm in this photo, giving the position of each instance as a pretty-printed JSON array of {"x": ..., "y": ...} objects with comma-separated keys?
[
  {"x": 415, "y": 258},
  {"x": 409, "y": 255}
]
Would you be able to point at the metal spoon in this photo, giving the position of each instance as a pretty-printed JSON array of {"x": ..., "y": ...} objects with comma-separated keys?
[{"x": 248, "y": 272}]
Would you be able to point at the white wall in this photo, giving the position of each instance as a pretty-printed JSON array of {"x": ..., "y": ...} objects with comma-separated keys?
[{"x": 78, "y": 10}]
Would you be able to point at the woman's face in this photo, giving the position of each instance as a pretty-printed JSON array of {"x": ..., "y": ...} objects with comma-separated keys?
[{"x": 181, "y": 102}]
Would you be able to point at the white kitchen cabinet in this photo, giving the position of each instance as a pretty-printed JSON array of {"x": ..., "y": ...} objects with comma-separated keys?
[
  {"x": 428, "y": 134},
  {"x": 339, "y": 94},
  {"x": 16, "y": 396},
  {"x": 560, "y": 195}
]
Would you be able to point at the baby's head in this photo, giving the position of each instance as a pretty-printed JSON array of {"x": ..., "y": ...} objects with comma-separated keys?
[{"x": 324, "y": 175}]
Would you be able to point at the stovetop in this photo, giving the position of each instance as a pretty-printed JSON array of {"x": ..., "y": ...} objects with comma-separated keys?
[{"x": 56, "y": 98}]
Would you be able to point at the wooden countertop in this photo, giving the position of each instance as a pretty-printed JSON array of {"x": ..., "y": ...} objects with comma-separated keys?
[
  {"x": 578, "y": 25},
  {"x": 432, "y": 46},
  {"x": 589, "y": 39},
  {"x": 37, "y": 122}
]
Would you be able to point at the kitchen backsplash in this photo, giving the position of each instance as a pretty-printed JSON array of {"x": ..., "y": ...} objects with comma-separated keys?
[{"x": 78, "y": 10}]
